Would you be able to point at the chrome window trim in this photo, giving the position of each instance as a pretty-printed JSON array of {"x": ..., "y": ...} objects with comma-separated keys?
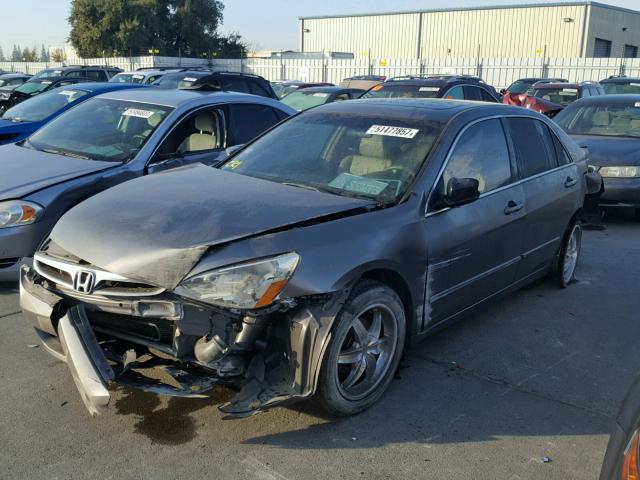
[{"x": 499, "y": 189}]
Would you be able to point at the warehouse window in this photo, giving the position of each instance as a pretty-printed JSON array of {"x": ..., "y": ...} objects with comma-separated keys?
[
  {"x": 602, "y": 48},
  {"x": 630, "y": 51}
]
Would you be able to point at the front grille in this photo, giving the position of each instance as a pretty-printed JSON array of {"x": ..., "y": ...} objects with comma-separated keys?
[{"x": 8, "y": 262}]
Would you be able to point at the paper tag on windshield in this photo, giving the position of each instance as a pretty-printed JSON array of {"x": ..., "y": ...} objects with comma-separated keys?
[
  {"x": 323, "y": 95},
  {"x": 47, "y": 83},
  {"x": 570, "y": 90},
  {"x": 635, "y": 84},
  {"x": 134, "y": 112},
  {"x": 392, "y": 131},
  {"x": 68, "y": 93},
  {"x": 429, "y": 89},
  {"x": 637, "y": 104},
  {"x": 189, "y": 79},
  {"x": 138, "y": 76}
]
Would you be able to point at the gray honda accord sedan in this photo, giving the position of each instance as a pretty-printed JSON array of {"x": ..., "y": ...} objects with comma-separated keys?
[{"x": 312, "y": 258}]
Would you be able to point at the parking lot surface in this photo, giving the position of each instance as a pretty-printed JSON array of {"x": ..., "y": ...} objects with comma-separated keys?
[{"x": 539, "y": 374}]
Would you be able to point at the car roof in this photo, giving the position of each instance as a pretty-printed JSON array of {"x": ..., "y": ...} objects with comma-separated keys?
[
  {"x": 176, "y": 97},
  {"x": 621, "y": 80},
  {"x": 102, "y": 86},
  {"x": 432, "y": 108},
  {"x": 618, "y": 100},
  {"x": 552, "y": 85},
  {"x": 436, "y": 82}
]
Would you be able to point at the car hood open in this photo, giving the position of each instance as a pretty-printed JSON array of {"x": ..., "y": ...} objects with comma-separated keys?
[
  {"x": 25, "y": 170},
  {"x": 610, "y": 151},
  {"x": 155, "y": 228}
]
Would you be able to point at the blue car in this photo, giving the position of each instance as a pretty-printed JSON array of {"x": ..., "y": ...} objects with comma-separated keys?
[
  {"x": 23, "y": 119},
  {"x": 112, "y": 138}
]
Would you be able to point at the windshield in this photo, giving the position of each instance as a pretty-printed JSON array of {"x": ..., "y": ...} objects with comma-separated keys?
[
  {"x": 519, "y": 87},
  {"x": 118, "y": 130},
  {"x": 42, "y": 106},
  {"x": 617, "y": 88},
  {"x": 390, "y": 90},
  {"x": 606, "y": 120},
  {"x": 29, "y": 88},
  {"x": 49, "y": 73},
  {"x": 561, "y": 96},
  {"x": 360, "y": 155},
  {"x": 303, "y": 99},
  {"x": 128, "y": 78},
  {"x": 282, "y": 90}
]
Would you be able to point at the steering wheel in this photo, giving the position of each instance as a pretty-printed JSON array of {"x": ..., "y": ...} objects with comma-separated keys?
[{"x": 138, "y": 140}]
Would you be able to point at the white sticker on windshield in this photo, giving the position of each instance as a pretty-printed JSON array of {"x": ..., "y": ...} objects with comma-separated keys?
[
  {"x": 138, "y": 76},
  {"x": 570, "y": 90},
  {"x": 635, "y": 84},
  {"x": 354, "y": 183},
  {"x": 135, "y": 112},
  {"x": 429, "y": 89},
  {"x": 392, "y": 131},
  {"x": 68, "y": 93},
  {"x": 323, "y": 95},
  {"x": 189, "y": 79},
  {"x": 47, "y": 83},
  {"x": 637, "y": 104}
]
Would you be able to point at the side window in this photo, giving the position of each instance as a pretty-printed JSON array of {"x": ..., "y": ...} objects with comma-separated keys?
[
  {"x": 533, "y": 145},
  {"x": 66, "y": 82},
  {"x": 235, "y": 85},
  {"x": 74, "y": 73},
  {"x": 486, "y": 96},
  {"x": 247, "y": 121},
  {"x": 97, "y": 75},
  {"x": 561, "y": 154},
  {"x": 471, "y": 93},
  {"x": 200, "y": 132},
  {"x": 257, "y": 89},
  {"x": 481, "y": 153},
  {"x": 586, "y": 92},
  {"x": 455, "y": 93}
]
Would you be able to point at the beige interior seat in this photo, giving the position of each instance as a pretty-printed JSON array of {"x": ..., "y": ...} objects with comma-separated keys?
[
  {"x": 205, "y": 139},
  {"x": 634, "y": 126},
  {"x": 371, "y": 158}
]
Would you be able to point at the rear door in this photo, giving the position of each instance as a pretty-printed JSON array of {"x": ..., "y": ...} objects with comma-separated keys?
[
  {"x": 549, "y": 179},
  {"x": 474, "y": 249},
  {"x": 247, "y": 121}
]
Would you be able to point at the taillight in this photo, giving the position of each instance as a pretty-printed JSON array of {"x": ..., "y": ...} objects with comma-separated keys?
[{"x": 630, "y": 457}]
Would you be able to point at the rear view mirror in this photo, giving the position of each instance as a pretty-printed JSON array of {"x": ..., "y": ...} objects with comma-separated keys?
[{"x": 461, "y": 191}]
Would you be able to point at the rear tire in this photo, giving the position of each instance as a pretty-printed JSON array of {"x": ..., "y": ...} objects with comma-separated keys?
[
  {"x": 569, "y": 254},
  {"x": 367, "y": 340}
]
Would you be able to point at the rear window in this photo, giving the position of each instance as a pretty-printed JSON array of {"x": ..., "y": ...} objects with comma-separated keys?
[
  {"x": 391, "y": 90},
  {"x": 519, "y": 87},
  {"x": 561, "y": 96},
  {"x": 624, "y": 88}
]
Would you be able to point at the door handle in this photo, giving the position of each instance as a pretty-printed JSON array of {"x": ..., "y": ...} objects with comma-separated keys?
[
  {"x": 570, "y": 182},
  {"x": 513, "y": 207}
]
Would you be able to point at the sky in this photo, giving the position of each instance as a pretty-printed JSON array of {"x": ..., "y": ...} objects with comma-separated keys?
[{"x": 264, "y": 24}]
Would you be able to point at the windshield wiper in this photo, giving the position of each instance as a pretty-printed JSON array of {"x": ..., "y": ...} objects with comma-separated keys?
[
  {"x": 64, "y": 153},
  {"x": 301, "y": 185}
]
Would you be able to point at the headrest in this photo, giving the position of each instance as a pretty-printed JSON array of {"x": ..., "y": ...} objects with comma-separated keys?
[
  {"x": 601, "y": 119},
  {"x": 204, "y": 123},
  {"x": 372, "y": 146},
  {"x": 154, "y": 120}
]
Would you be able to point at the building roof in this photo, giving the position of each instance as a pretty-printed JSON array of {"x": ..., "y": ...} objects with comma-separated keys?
[{"x": 487, "y": 7}]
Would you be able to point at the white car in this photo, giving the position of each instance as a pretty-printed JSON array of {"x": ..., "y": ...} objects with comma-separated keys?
[{"x": 143, "y": 76}]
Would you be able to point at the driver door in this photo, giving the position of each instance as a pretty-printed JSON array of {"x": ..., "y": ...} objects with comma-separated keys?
[{"x": 474, "y": 249}]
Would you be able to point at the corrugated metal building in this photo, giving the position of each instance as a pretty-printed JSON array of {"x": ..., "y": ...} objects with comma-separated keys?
[{"x": 570, "y": 30}]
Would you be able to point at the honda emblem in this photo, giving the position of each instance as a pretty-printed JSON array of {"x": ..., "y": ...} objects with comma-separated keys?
[{"x": 84, "y": 281}]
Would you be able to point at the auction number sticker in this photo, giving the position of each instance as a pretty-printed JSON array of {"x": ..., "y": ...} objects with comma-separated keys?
[
  {"x": 429, "y": 89},
  {"x": 67, "y": 93},
  {"x": 390, "y": 131},
  {"x": 570, "y": 90},
  {"x": 135, "y": 112},
  {"x": 189, "y": 79},
  {"x": 637, "y": 104}
]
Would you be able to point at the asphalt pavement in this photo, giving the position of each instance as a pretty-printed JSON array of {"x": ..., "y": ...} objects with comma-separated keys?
[{"x": 539, "y": 374}]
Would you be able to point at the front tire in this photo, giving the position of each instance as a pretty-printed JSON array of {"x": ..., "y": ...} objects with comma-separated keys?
[
  {"x": 569, "y": 255},
  {"x": 367, "y": 339}
]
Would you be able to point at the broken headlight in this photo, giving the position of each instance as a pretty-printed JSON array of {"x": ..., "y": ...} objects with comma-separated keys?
[
  {"x": 247, "y": 285},
  {"x": 18, "y": 212}
]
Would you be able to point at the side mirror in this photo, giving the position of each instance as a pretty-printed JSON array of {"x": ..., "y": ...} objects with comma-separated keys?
[
  {"x": 233, "y": 149},
  {"x": 461, "y": 191}
]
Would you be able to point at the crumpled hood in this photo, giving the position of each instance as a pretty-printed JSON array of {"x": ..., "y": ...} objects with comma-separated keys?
[
  {"x": 610, "y": 151},
  {"x": 25, "y": 171},
  {"x": 155, "y": 228}
]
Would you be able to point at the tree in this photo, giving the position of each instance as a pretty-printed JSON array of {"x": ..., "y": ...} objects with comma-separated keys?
[
  {"x": 2, "y": 59},
  {"x": 16, "y": 55},
  {"x": 123, "y": 27},
  {"x": 44, "y": 54},
  {"x": 30, "y": 55},
  {"x": 58, "y": 55}
]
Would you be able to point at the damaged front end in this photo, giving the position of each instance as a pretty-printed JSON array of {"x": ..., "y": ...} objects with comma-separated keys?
[{"x": 113, "y": 331}]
